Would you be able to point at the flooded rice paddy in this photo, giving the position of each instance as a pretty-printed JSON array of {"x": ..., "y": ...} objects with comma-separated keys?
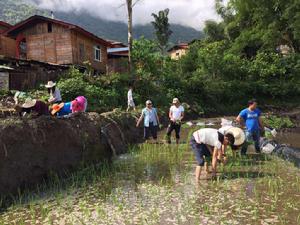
[
  {"x": 154, "y": 184},
  {"x": 290, "y": 138}
]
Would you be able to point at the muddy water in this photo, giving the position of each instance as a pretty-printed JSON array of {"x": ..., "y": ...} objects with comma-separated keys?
[{"x": 291, "y": 139}]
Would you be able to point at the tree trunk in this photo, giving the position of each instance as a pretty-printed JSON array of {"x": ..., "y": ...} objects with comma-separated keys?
[{"x": 129, "y": 10}]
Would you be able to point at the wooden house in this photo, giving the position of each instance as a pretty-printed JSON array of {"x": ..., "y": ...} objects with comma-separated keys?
[
  {"x": 4, "y": 26},
  {"x": 117, "y": 58},
  {"x": 177, "y": 51},
  {"x": 7, "y": 45},
  {"x": 53, "y": 41}
]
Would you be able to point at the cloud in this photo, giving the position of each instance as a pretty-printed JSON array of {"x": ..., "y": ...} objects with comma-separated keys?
[{"x": 186, "y": 12}]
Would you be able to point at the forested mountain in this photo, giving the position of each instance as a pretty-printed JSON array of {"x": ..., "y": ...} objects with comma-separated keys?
[{"x": 13, "y": 11}]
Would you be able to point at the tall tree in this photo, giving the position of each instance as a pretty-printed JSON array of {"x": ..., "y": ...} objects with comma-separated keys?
[
  {"x": 162, "y": 29},
  {"x": 214, "y": 31},
  {"x": 129, "y": 11},
  {"x": 261, "y": 24}
]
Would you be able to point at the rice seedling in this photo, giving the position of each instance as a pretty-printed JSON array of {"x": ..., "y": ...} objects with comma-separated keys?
[{"x": 153, "y": 184}]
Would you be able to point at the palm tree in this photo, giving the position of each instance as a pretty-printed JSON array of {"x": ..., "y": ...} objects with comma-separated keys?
[{"x": 162, "y": 29}]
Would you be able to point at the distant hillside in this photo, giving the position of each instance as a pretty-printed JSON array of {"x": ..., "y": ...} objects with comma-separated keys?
[{"x": 13, "y": 11}]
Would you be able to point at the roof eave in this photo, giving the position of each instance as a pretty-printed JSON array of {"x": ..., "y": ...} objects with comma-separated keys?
[{"x": 62, "y": 23}]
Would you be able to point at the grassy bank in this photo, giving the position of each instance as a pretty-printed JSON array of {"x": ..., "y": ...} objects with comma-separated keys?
[{"x": 154, "y": 184}]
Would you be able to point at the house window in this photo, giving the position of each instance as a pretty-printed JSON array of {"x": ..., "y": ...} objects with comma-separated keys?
[
  {"x": 49, "y": 27},
  {"x": 81, "y": 51},
  {"x": 97, "y": 53}
]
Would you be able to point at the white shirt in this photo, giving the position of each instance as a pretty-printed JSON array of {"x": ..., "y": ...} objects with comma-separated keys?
[
  {"x": 129, "y": 95},
  {"x": 56, "y": 96},
  {"x": 176, "y": 112},
  {"x": 208, "y": 136}
]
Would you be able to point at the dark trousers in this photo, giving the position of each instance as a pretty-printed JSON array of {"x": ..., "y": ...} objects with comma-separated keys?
[
  {"x": 173, "y": 126},
  {"x": 200, "y": 150},
  {"x": 251, "y": 136},
  {"x": 150, "y": 131}
]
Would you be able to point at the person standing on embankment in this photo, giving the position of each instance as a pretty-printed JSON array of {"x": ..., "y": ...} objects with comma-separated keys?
[
  {"x": 151, "y": 121},
  {"x": 251, "y": 117},
  {"x": 176, "y": 114},
  {"x": 130, "y": 102}
]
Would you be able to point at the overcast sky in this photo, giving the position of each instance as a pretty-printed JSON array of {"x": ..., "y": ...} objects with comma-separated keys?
[{"x": 187, "y": 12}]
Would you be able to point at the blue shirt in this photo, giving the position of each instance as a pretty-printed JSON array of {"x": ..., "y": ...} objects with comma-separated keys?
[
  {"x": 66, "y": 110},
  {"x": 251, "y": 119},
  {"x": 150, "y": 116}
]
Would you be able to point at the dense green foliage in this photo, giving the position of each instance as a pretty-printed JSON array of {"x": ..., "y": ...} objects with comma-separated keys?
[
  {"x": 235, "y": 63},
  {"x": 238, "y": 60},
  {"x": 162, "y": 29},
  {"x": 102, "y": 93},
  {"x": 219, "y": 74},
  {"x": 13, "y": 11}
]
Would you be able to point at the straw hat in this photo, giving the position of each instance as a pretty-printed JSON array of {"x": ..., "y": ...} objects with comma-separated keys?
[
  {"x": 57, "y": 107},
  {"x": 238, "y": 134},
  {"x": 29, "y": 103},
  {"x": 175, "y": 100},
  {"x": 50, "y": 84}
]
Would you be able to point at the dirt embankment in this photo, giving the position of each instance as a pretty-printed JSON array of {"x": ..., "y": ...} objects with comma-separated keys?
[{"x": 32, "y": 148}]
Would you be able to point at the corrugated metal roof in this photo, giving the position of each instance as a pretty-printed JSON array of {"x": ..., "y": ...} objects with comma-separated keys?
[{"x": 112, "y": 50}]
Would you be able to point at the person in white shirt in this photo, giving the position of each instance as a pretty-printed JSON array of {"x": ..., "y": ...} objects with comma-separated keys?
[
  {"x": 176, "y": 114},
  {"x": 130, "y": 99},
  {"x": 54, "y": 93},
  {"x": 209, "y": 142}
]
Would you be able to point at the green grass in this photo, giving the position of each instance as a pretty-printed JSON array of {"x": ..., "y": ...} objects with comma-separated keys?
[{"x": 154, "y": 184}]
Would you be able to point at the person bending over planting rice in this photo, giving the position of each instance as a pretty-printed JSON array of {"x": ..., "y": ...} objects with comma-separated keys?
[
  {"x": 210, "y": 143},
  {"x": 62, "y": 109},
  {"x": 32, "y": 107},
  {"x": 239, "y": 137}
]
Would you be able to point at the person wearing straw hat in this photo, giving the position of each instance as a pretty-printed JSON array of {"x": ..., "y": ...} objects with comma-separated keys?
[
  {"x": 176, "y": 114},
  {"x": 62, "y": 109},
  {"x": 206, "y": 143},
  {"x": 54, "y": 92},
  {"x": 239, "y": 139},
  {"x": 34, "y": 106},
  {"x": 151, "y": 121}
]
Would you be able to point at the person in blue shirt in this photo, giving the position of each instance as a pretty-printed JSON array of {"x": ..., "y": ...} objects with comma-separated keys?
[
  {"x": 62, "y": 109},
  {"x": 151, "y": 121},
  {"x": 251, "y": 118}
]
